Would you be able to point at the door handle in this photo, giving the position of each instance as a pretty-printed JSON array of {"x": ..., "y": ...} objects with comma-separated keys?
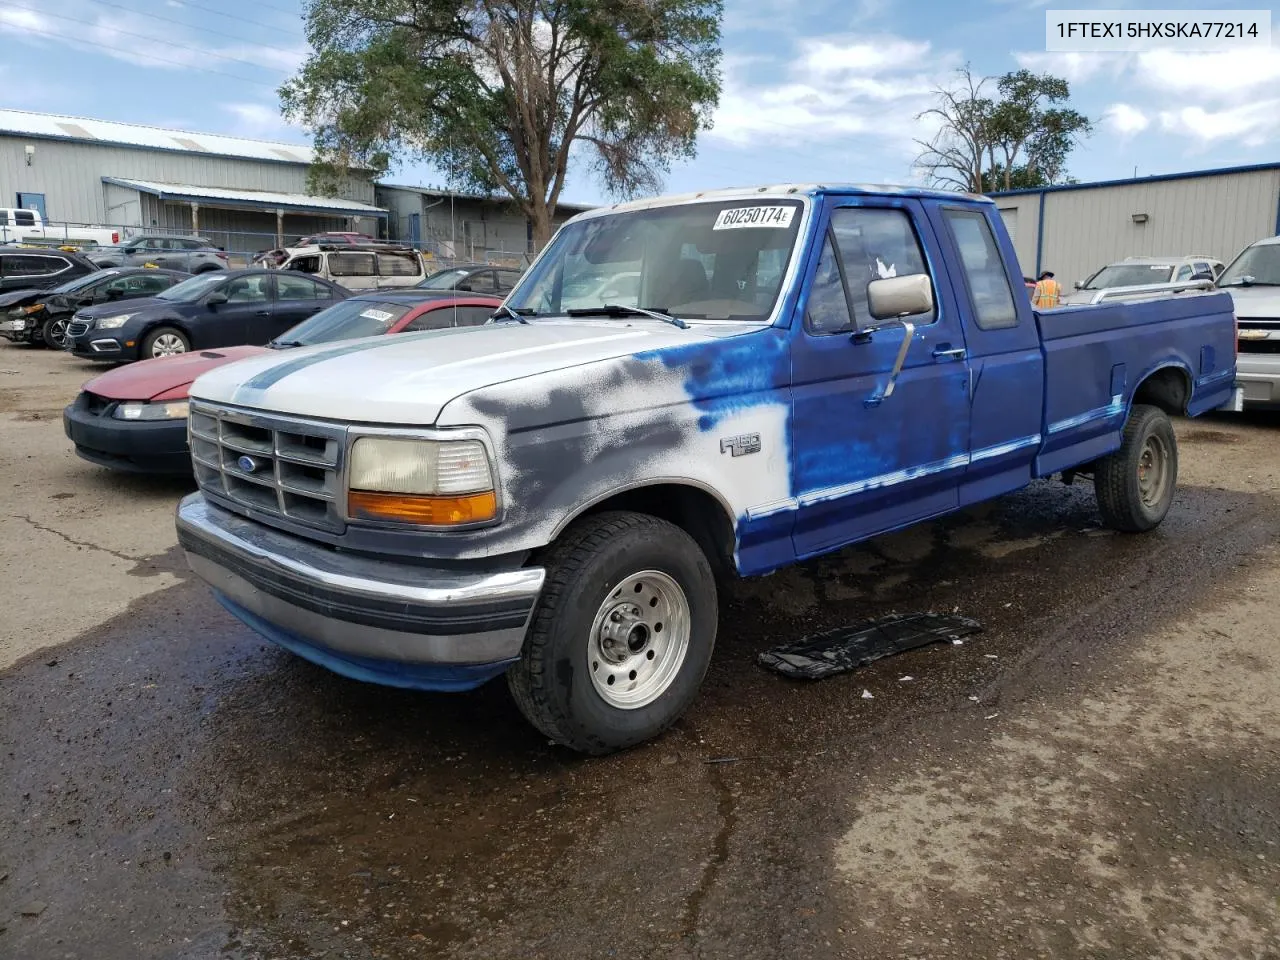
[
  {"x": 262, "y": 313},
  {"x": 957, "y": 353}
]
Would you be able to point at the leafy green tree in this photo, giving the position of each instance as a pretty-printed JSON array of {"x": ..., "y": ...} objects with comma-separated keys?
[
  {"x": 505, "y": 93},
  {"x": 1019, "y": 135}
]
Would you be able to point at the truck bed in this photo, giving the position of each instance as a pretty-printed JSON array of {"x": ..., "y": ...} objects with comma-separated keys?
[{"x": 1096, "y": 357}]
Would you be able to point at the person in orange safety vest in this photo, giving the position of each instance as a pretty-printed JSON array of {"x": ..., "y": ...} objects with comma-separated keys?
[{"x": 1048, "y": 293}]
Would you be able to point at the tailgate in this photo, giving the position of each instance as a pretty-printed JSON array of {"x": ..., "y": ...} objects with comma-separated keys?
[{"x": 1096, "y": 356}]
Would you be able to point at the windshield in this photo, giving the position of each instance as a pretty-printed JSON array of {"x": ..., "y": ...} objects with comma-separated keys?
[
  {"x": 1261, "y": 262},
  {"x": 191, "y": 290},
  {"x": 1130, "y": 275},
  {"x": 696, "y": 261},
  {"x": 71, "y": 286},
  {"x": 346, "y": 320},
  {"x": 443, "y": 280}
]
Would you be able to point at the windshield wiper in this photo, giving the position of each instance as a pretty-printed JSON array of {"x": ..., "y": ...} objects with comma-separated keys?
[
  {"x": 280, "y": 344},
  {"x": 520, "y": 314},
  {"x": 619, "y": 310}
]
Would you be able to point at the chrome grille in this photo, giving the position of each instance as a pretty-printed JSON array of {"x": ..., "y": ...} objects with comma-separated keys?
[
  {"x": 278, "y": 465},
  {"x": 78, "y": 328}
]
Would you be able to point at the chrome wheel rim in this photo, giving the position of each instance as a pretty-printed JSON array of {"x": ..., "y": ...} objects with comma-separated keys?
[
  {"x": 1153, "y": 471},
  {"x": 639, "y": 640},
  {"x": 168, "y": 344},
  {"x": 58, "y": 334}
]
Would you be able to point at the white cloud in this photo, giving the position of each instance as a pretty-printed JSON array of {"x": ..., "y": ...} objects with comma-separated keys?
[
  {"x": 1254, "y": 123},
  {"x": 1211, "y": 76},
  {"x": 14, "y": 20},
  {"x": 259, "y": 121},
  {"x": 1073, "y": 67},
  {"x": 1125, "y": 120},
  {"x": 831, "y": 90},
  {"x": 141, "y": 40}
]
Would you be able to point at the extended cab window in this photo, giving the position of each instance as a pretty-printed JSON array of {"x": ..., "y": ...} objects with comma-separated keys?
[
  {"x": 394, "y": 264},
  {"x": 989, "y": 291},
  {"x": 352, "y": 265},
  {"x": 24, "y": 218},
  {"x": 871, "y": 243}
]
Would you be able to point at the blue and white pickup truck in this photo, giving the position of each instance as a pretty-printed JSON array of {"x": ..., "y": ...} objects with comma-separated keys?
[{"x": 556, "y": 495}]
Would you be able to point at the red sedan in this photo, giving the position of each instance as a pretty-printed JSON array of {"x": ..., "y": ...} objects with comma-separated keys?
[{"x": 134, "y": 418}]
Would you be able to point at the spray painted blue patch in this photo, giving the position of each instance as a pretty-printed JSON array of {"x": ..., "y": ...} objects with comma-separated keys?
[
  {"x": 443, "y": 678},
  {"x": 726, "y": 375}
]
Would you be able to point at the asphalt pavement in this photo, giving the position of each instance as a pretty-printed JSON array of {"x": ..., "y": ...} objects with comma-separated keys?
[{"x": 1094, "y": 774}]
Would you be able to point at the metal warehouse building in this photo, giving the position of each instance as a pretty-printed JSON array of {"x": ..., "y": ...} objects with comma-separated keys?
[
  {"x": 1076, "y": 229},
  {"x": 462, "y": 226},
  {"x": 244, "y": 195}
]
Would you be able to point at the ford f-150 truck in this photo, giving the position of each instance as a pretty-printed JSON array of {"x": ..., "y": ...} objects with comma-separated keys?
[{"x": 558, "y": 494}]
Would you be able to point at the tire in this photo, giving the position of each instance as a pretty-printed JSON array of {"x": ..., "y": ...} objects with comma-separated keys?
[
  {"x": 169, "y": 341},
  {"x": 54, "y": 333},
  {"x": 585, "y": 631},
  {"x": 1135, "y": 485},
  {"x": 207, "y": 268}
]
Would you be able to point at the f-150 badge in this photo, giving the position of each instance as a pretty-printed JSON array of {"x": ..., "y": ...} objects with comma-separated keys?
[{"x": 741, "y": 445}]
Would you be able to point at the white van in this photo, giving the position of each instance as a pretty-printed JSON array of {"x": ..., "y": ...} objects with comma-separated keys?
[{"x": 359, "y": 266}]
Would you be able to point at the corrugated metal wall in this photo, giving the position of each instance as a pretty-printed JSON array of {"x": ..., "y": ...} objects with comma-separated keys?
[
  {"x": 1085, "y": 229},
  {"x": 70, "y": 175},
  {"x": 1021, "y": 215},
  {"x": 1217, "y": 216}
]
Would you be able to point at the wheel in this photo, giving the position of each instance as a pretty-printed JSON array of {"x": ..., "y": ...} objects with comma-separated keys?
[
  {"x": 164, "y": 342},
  {"x": 54, "y": 333},
  {"x": 1135, "y": 484},
  {"x": 622, "y": 634}
]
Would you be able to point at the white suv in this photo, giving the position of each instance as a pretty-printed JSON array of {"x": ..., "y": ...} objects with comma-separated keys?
[
  {"x": 373, "y": 266},
  {"x": 1141, "y": 271}
]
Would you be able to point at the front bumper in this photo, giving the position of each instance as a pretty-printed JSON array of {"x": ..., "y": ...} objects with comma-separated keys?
[
  {"x": 1259, "y": 375},
  {"x": 377, "y": 620},
  {"x": 135, "y": 446},
  {"x": 102, "y": 346},
  {"x": 18, "y": 331}
]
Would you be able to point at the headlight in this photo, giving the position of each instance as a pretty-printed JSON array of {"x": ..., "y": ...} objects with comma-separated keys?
[
  {"x": 111, "y": 323},
  {"x": 429, "y": 482},
  {"x": 174, "y": 410}
]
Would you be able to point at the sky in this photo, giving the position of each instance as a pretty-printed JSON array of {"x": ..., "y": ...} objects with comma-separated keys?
[{"x": 825, "y": 90}]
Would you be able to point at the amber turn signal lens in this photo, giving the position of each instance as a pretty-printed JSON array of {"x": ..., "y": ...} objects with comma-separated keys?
[{"x": 429, "y": 511}]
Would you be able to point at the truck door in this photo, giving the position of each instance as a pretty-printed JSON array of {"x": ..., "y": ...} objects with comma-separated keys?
[
  {"x": 868, "y": 454},
  {"x": 1006, "y": 366}
]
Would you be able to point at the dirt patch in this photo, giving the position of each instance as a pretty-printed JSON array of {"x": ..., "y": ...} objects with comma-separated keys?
[{"x": 1208, "y": 436}]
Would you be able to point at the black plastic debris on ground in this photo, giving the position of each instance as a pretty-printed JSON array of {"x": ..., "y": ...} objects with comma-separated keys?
[{"x": 847, "y": 648}]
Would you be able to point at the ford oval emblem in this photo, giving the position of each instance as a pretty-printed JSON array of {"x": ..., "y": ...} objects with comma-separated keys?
[{"x": 247, "y": 464}]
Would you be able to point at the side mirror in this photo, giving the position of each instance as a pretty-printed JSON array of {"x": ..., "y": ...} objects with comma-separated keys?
[
  {"x": 1079, "y": 284},
  {"x": 215, "y": 298},
  {"x": 113, "y": 293},
  {"x": 1202, "y": 276},
  {"x": 895, "y": 297},
  {"x": 465, "y": 287}
]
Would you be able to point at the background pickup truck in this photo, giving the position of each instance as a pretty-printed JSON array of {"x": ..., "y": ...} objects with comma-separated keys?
[
  {"x": 556, "y": 495},
  {"x": 28, "y": 225}
]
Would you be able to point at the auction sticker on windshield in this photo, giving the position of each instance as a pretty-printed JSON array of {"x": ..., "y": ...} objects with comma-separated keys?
[
  {"x": 779, "y": 217},
  {"x": 380, "y": 315}
]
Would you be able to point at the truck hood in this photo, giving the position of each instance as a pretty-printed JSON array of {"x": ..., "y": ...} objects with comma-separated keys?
[
  {"x": 1256, "y": 302},
  {"x": 408, "y": 378},
  {"x": 165, "y": 378}
]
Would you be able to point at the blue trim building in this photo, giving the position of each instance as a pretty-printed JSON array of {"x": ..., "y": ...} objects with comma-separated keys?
[{"x": 1076, "y": 228}]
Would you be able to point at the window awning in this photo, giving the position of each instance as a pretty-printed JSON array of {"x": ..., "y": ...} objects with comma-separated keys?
[{"x": 250, "y": 199}]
